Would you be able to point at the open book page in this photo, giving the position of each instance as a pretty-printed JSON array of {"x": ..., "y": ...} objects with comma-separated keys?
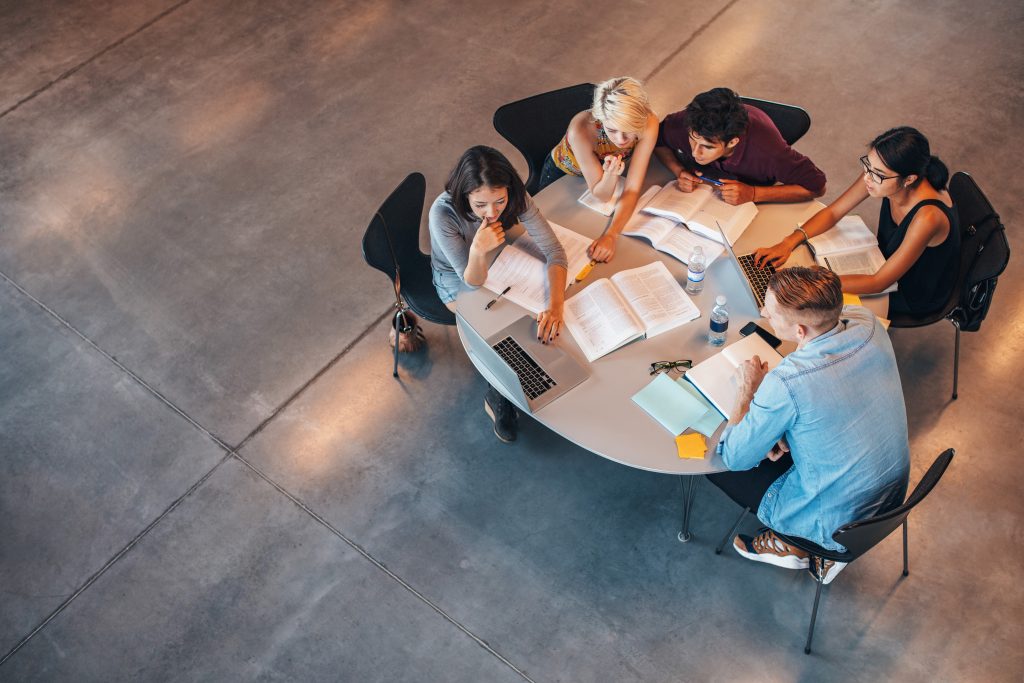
[
  {"x": 607, "y": 208},
  {"x": 650, "y": 227},
  {"x": 714, "y": 212},
  {"x": 680, "y": 243},
  {"x": 575, "y": 246},
  {"x": 600, "y": 320},
  {"x": 518, "y": 268},
  {"x": 748, "y": 347},
  {"x": 866, "y": 262},
  {"x": 671, "y": 202},
  {"x": 655, "y": 297},
  {"x": 521, "y": 266},
  {"x": 716, "y": 376},
  {"x": 849, "y": 234}
]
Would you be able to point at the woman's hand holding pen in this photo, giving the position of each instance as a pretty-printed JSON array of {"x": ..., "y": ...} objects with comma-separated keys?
[{"x": 603, "y": 248}]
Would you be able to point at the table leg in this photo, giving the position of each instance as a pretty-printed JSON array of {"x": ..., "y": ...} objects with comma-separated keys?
[{"x": 689, "y": 489}]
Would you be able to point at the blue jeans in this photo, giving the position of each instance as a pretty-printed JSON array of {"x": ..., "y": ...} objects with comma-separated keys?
[{"x": 549, "y": 173}]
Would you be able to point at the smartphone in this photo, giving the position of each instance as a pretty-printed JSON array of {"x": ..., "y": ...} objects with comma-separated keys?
[{"x": 769, "y": 338}]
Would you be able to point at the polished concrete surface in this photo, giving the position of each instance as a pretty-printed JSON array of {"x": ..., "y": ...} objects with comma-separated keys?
[{"x": 207, "y": 470}]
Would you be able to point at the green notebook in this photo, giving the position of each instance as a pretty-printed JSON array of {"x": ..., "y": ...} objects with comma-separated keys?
[{"x": 678, "y": 406}]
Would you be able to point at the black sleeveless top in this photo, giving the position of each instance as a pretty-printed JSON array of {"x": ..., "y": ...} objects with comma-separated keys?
[{"x": 927, "y": 285}]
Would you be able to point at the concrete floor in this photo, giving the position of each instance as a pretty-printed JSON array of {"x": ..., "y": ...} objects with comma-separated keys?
[{"x": 207, "y": 471}]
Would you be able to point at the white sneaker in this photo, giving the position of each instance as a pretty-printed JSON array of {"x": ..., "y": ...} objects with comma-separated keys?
[
  {"x": 827, "y": 570},
  {"x": 769, "y": 548}
]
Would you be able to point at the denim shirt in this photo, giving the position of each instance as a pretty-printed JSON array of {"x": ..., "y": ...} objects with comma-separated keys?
[{"x": 839, "y": 403}]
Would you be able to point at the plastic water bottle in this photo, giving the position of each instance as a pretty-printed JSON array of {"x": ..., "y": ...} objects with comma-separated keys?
[
  {"x": 719, "y": 322},
  {"x": 695, "y": 272}
]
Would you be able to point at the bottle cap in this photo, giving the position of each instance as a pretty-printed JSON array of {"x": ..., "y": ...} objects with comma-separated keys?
[
  {"x": 698, "y": 249},
  {"x": 720, "y": 300}
]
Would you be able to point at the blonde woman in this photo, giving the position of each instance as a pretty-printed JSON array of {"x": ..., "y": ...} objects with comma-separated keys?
[{"x": 619, "y": 127}]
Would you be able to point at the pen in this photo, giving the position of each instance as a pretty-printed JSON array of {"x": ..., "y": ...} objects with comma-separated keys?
[
  {"x": 495, "y": 299},
  {"x": 584, "y": 272},
  {"x": 712, "y": 181}
]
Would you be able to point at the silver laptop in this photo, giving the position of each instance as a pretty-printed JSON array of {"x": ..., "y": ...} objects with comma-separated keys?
[
  {"x": 755, "y": 278},
  {"x": 532, "y": 373}
]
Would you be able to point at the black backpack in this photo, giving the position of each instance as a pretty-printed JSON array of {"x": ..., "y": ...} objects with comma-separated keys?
[{"x": 985, "y": 252}]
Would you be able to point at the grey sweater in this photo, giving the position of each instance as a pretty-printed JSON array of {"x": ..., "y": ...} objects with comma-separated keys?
[{"x": 451, "y": 235}]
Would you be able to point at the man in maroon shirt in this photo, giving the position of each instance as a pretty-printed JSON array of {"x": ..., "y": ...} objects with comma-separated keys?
[{"x": 719, "y": 137}]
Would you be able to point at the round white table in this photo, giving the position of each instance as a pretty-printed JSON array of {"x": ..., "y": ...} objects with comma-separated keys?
[{"x": 599, "y": 414}]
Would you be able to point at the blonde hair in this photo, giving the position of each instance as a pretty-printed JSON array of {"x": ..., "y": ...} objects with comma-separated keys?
[{"x": 622, "y": 103}]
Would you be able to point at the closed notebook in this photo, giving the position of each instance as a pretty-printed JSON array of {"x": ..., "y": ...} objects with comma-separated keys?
[{"x": 677, "y": 406}]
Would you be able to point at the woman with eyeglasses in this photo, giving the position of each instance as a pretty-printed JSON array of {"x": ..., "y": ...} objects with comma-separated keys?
[{"x": 918, "y": 230}]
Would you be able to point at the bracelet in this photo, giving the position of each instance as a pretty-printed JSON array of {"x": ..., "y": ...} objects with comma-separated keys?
[{"x": 803, "y": 232}]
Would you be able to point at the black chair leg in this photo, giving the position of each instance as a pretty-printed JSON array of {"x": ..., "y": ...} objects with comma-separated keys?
[
  {"x": 956, "y": 358},
  {"x": 906, "y": 564},
  {"x": 814, "y": 615},
  {"x": 732, "y": 532}
]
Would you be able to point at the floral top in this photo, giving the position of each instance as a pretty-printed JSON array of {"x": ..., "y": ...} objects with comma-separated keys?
[{"x": 564, "y": 158}]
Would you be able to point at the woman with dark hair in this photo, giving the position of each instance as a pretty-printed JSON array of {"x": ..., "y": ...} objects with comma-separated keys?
[
  {"x": 484, "y": 197},
  {"x": 918, "y": 230}
]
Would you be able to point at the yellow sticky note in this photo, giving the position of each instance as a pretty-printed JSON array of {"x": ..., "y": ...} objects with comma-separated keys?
[
  {"x": 692, "y": 446},
  {"x": 851, "y": 299}
]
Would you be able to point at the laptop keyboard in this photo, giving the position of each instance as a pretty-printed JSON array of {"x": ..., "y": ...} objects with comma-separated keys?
[
  {"x": 757, "y": 277},
  {"x": 531, "y": 376}
]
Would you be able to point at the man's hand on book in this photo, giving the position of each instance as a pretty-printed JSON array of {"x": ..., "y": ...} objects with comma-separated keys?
[
  {"x": 751, "y": 373},
  {"x": 734, "y": 192},
  {"x": 686, "y": 181}
]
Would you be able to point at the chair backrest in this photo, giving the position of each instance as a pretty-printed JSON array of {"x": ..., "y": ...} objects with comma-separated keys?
[
  {"x": 859, "y": 537},
  {"x": 535, "y": 125},
  {"x": 792, "y": 121},
  {"x": 984, "y": 251},
  {"x": 391, "y": 244},
  {"x": 392, "y": 238}
]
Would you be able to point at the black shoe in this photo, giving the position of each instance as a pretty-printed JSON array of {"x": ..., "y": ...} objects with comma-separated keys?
[{"x": 503, "y": 414}]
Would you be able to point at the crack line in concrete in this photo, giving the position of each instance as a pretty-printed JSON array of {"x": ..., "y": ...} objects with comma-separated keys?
[
  {"x": 379, "y": 565},
  {"x": 70, "y": 72},
  {"x": 686, "y": 43},
  {"x": 163, "y": 399},
  {"x": 110, "y": 563},
  {"x": 320, "y": 373}
]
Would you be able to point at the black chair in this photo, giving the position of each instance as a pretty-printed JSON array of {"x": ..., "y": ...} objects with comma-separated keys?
[
  {"x": 984, "y": 254},
  {"x": 391, "y": 244},
  {"x": 792, "y": 121},
  {"x": 536, "y": 124},
  {"x": 860, "y": 537}
]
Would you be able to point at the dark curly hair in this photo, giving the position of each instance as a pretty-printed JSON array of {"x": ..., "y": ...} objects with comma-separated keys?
[{"x": 717, "y": 115}]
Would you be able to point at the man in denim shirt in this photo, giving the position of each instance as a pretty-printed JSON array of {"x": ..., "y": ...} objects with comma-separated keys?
[{"x": 830, "y": 419}]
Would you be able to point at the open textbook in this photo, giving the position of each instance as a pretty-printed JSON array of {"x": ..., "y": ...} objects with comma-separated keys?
[
  {"x": 700, "y": 210},
  {"x": 521, "y": 266},
  {"x": 849, "y": 248},
  {"x": 668, "y": 235},
  {"x": 607, "y": 208},
  {"x": 632, "y": 304},
  {"x": 716, "y": 376}
]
